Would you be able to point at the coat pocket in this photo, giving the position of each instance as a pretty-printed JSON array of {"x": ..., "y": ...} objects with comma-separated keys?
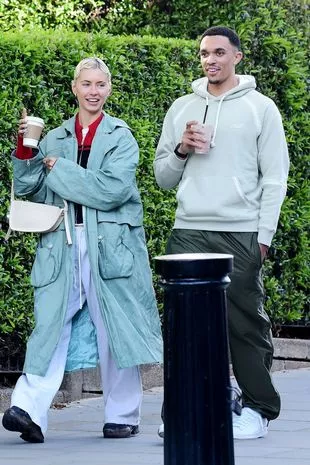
[
  {"x": 46, "y": 265},
  {"x": 115, "y": 256}
]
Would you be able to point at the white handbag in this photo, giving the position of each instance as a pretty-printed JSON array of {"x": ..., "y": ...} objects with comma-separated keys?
[{"x": 35, "y": 217}]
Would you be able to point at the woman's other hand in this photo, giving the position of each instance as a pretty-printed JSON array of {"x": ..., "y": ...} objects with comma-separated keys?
[{"x": 49, "y": 162}]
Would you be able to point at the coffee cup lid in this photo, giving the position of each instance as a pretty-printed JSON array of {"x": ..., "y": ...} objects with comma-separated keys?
[{"x": 35, "y": 119}]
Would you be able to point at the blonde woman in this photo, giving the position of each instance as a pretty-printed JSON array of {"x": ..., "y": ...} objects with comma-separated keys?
[{"x": 94, "y": 298}]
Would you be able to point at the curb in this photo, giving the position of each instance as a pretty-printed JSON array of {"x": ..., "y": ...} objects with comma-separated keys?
[{"x": 290, "y": 354}]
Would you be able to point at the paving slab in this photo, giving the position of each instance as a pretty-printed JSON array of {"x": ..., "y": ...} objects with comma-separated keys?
[{"x": 75, "y": 434}]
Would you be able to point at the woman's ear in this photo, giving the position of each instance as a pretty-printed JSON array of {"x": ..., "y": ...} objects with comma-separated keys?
[
  {"x": 73, "y": 88},
  {"x": 108, "y": 95}
]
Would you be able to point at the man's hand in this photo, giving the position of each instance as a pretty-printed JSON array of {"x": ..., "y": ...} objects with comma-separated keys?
[
  {"x": 263, "y": 250},
  {"x": 188, "y": 142},
  {"x": 49, "y": 162}
]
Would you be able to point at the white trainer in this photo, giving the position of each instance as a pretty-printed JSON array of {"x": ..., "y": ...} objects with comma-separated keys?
[
  {"x": 249, "y": 425},
  {"x": 161, "y": 431}
]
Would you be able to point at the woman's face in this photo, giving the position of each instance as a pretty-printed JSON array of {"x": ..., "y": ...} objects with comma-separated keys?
[{"x": 91, "y": 88}]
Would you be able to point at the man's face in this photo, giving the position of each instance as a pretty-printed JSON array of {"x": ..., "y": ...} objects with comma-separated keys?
[{"x": 218, "y": 59}]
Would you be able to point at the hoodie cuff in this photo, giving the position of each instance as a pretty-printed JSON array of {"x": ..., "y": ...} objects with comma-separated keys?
[{"x": 265, "y": 236}]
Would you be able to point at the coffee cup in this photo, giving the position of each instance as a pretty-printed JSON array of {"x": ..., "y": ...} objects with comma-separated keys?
[
  {"x": 203, "y": 135},
  {"x": 33, "y": 133}
]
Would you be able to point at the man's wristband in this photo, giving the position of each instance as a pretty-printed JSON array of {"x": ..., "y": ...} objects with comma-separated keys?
[{"x": 183, "y": 156}]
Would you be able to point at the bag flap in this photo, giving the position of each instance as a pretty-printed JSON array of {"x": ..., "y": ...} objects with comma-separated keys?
[{"x": 34, "y": 217}]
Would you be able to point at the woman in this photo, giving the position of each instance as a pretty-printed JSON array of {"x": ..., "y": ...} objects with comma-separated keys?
[{"x": 102, "y": 280}]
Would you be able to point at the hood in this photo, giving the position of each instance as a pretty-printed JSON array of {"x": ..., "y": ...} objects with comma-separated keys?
[
  {"x": 200, "y": 86},
  {"x": 246, "y": 83}
]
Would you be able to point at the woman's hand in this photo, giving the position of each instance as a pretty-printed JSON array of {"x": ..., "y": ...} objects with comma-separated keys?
[
  {"x": 49, "y": 162},
  {"x": 22, "y": 124}
]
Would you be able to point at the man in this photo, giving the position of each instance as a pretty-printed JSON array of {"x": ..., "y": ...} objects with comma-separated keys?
[{"x": 229, "y": 201}]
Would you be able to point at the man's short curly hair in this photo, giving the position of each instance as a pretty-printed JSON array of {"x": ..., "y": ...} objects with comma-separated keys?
[{"x": 231, "y": 35}]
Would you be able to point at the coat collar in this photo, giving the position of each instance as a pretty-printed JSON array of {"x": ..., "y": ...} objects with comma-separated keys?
[{"x": 107, "y": 125}]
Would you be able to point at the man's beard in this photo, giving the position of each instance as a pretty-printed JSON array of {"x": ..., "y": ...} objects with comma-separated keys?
[{"x": 214, "y": 81}]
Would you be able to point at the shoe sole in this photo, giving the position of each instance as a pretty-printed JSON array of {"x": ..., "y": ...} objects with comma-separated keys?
[
  {"x": 240, "y": 438},
  {"x": 32, "y": 437},
  {"x": 12, "y": 422},
  {"x": 116, "y": 436}
]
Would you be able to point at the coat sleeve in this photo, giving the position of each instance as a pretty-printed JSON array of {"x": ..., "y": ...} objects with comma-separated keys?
[
  {"x": 274, "y": 166},
  {"x": 29, "y": 177},
  {"x": 168, "y": 168},
  {"x": 106, "y": 188}
]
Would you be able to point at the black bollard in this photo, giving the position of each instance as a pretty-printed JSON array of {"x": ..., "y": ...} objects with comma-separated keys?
[{"x": 197, "y": 393}]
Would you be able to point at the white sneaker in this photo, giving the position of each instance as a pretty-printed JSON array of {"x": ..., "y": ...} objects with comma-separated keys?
[
  {"x": 161, "y": 431},
  {"x": 249, "y": 425}
]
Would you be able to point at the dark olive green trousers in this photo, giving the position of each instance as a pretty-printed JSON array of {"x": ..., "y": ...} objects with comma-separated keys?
[{"x": 249, "y": 327}]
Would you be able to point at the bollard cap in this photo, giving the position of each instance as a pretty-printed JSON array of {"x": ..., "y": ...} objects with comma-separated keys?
[{"x": 194, "y": 265}]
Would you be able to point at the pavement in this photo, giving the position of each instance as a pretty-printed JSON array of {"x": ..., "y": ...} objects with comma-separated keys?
[{"x": 75, "y": 437}]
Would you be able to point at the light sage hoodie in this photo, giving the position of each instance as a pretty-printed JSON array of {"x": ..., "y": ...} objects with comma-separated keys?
[{"x": 241, "y": 184}]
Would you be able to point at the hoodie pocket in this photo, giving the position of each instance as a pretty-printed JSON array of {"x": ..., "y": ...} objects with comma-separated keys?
[
  {"x": 115, "y": 258},
  {"x": 212, "y": 196}
]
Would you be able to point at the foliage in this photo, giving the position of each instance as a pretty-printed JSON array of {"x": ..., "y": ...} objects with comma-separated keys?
[
  {"x": 166, "y": 18},
  {"x": 46, "y": 14},
  {"x": 148, "y": 74}
]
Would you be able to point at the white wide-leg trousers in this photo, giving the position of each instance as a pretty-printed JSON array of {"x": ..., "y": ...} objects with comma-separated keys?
[{"x": 122, "y": 388}]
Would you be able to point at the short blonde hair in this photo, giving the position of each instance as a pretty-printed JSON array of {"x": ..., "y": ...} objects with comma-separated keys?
[{"x": 91, "y": 63}]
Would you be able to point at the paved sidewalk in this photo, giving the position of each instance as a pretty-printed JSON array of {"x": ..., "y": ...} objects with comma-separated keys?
[{"x": 74, "y": 436}]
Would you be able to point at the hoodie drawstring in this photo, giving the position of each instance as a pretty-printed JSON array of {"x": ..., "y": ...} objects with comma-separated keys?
[
  {"x": 206, "y": 110},
  {"x": 216, "y": 122}
]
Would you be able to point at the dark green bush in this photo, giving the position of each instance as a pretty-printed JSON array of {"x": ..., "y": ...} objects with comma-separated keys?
[
  {"x": 148, "y": 74},
  {"x": 47, "y": 14},
  {"x": 166, "y": 18}
]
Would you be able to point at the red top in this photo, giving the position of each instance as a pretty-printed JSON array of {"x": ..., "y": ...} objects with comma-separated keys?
[
  {"x": 91, "y": 131},
  {"x": 22, "y": 152}
]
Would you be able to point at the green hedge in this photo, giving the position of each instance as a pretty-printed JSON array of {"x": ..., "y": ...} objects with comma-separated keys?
[{"x": 148, "y": 74}]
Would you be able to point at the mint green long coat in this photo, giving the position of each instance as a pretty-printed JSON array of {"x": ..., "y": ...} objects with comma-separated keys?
[{"x": 116, "y": 246}]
